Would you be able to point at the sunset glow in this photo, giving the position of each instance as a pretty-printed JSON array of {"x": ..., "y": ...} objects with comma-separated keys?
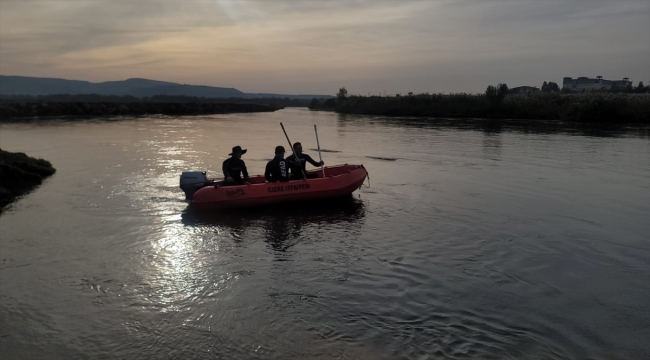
[{"x": 318, "y": 46}]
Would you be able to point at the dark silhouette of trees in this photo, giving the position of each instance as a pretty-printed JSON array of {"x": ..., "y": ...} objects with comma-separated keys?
[
  {"x": 550, "y": 87},
  {"x": 495, "y": 95},
  {"x": 17, "y": 109},
  {"x": 94, "y": 98},
  {"x": 342, "y": 94},
  {"x": 588, "y": 107},
  {"x": 322, "y": 104},
  {"x": 330, "y": 103},
  {"x": 640, "y": 88},
  {"x": 598, "y": 106}
]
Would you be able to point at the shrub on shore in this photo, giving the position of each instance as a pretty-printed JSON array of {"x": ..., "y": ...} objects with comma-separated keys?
[
  {"x": 596, "y": 108},
  {"x": 19, "y": 174},
  {"x": 127, "y": 99},
  {"x": 322, "y": 104},
  {"x": 11, "y": 109}
]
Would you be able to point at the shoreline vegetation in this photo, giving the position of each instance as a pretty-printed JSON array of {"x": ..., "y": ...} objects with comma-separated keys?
[
  {"x": 20, "y": 174},
  {"x": 496, "y": 103},
  {"x": 100, "y": 105}
]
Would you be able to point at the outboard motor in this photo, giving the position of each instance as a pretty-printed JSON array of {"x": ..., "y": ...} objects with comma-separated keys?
[{"x": 191, "y": 181}]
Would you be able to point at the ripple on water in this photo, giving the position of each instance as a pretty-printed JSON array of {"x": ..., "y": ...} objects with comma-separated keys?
[{"x": 487, "y": 242}]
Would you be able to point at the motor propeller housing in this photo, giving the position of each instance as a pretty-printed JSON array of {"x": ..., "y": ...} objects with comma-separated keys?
[{"x": 191, "y": 181}]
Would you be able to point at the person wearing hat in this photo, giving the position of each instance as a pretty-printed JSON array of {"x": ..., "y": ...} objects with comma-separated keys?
[
  {"x": 301, "y": 159},
  {"x": 278, "y": 168},
  {"x": 234, "y": 167}
]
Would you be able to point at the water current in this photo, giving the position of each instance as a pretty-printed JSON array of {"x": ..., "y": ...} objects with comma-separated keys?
[{"x": 475, "y": 239}]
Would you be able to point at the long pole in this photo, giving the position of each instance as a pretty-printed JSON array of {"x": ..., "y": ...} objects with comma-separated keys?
[
  {"x": 319, "y": 155},
  {"x": 294, "y": 153}
]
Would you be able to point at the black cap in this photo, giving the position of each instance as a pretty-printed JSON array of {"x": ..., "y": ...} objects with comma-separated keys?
[
  {"x": 279, "y": 150},
  {"x": 238, "y": 149}
]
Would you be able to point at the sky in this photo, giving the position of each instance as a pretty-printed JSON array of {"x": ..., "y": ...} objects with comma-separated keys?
[{"x": 318, "y": 46}]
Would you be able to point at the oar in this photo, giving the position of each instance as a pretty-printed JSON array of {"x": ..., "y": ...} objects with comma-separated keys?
[
  {"x": 319, "y": 155},
  {"x": 294, "y": 153}
]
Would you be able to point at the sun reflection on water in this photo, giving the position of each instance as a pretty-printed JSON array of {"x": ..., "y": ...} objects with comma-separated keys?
[{"x": 186, "y": 263}]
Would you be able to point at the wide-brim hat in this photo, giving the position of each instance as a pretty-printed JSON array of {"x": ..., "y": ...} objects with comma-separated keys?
[{"x": 238, "y": 149}]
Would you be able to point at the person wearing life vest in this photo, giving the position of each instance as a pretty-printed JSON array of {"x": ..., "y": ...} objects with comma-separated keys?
[
  {"x": 300, "y": 160},
  {"x": 278, "y": 168},
  {"x": 234, "y": 167}
]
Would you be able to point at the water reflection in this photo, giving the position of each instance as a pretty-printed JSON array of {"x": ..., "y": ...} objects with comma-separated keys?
[
  {"x": 545, "y": 127},
  {"x": 448, "y": 256},
  {"x": 281, "y": 225},
  {"x": 492, "y": 139}
]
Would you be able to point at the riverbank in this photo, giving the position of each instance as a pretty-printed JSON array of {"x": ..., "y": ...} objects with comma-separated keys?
[
  {"x": 19, "y": 174},
  {"x": 590, "y": 108},
  {"x": 64, "y": 108}
]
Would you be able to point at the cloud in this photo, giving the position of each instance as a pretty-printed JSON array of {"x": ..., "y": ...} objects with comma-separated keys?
[{"x": 311, "y": 46}]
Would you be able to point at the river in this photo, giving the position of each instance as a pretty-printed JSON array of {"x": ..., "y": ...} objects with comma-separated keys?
[{"x": 475, "y": 239}]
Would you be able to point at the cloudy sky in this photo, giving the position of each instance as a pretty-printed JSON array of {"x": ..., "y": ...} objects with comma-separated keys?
[{"x": 317, "y": 46}]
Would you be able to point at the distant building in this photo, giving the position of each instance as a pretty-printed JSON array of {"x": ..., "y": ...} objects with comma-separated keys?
[
  {"x": 584, "y": 83},
  {"x": 524, "y": 90}
]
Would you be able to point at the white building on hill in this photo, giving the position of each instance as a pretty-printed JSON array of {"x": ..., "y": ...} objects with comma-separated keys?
[{"x": 584, "y": 83}]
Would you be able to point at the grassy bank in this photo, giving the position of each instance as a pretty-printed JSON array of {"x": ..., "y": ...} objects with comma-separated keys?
[
  {"x": 19, "y": 174},
  {"x": 18, "y": 109},
  {"x": 589, "y": 108},
  {"x": 94, "y": 98}
]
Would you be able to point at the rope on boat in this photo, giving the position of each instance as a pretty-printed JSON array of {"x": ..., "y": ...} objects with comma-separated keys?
[{"x": 368, "y": 176}]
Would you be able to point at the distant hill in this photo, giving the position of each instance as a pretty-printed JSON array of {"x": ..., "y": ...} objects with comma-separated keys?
[{"x": 23, "y": 85}]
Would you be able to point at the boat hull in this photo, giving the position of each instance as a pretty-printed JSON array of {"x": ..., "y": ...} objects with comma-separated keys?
[{"x": 338, "y": 181}]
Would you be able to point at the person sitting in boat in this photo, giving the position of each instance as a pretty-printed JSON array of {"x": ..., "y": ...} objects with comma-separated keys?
[
  {"x": 301, "y": 159},
  {"x": 234, "y": 167},
  {"x": 278, "y": 168}
]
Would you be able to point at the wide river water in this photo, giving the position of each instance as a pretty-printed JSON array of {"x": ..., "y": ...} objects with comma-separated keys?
[{"x": 476, "y": 239}]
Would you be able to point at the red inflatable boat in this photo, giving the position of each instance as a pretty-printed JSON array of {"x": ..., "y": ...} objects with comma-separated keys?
[{"x": 338, "y": 181}]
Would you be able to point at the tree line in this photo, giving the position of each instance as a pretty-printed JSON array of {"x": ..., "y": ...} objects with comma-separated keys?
[
  {"x": 15, "y": 109},
  {"x": 496, "y": 102},
  {"x": 94, "y": 98},
  {"x": 629, "y": 89}
]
